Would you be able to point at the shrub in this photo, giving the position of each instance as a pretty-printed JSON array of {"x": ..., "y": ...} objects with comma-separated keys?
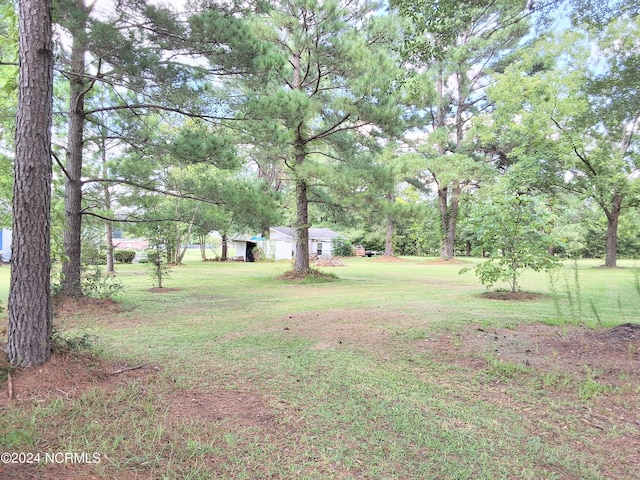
[
  {"x": 71, "y": 342},
  {"x": 92, "y": 256},
  {"x": 95, "y": 283},
  {"x": 157, "y": 266},
  {"x": 124, "y": 256},
  {"x": 341, "y": 247}
]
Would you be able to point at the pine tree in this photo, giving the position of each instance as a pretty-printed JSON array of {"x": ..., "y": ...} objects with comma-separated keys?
[{"x": 29, "y": 335}]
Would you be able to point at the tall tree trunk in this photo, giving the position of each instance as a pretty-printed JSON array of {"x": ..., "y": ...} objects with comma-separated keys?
[
  {"x": 225, "y": 246},
  {"x": 448, "y": 195},
  {"x": 72, "y": 263},
  {"x": 108, "y": 226},
  {"x": 613, "y": 217},
  {"x": 448, "y": 205},
  {"x": 301, "y": 264},
  {"x": 108, "y": 240},
  {"x": 203, "y": 246},
  {"x": 388, "y": 241},
  {"x": 29, "y": 335}
]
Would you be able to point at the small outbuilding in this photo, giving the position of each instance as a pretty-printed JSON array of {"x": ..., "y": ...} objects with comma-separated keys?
[{"x": 281, "y": 244}]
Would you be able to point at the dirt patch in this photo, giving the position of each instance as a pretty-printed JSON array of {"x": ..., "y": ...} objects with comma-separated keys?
[
  {"x": 67, "y": 376},
  {"x": 511, "y": 296},
  {"x": 585, "y": 381},
  {"x": 329, "y": 262},
  {"x": 445, "y": 261},
  {"x": 65, "y": 307},
  {"x": 313, "y": 275},
  {"x": 611, "y": 354},
  {"x": 387, "y": 258},
  {"x": 336, "y": 328},
  {"x": 242, "y": 409},
  {"x": 163, "y": 290}
]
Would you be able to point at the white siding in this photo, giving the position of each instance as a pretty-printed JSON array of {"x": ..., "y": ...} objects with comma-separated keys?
[
  {"x": 241, "y": 249},
  {"x": 6, "y": 244}
]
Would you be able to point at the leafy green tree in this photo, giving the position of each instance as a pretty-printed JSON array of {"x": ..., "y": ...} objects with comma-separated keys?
[
  {"x": 513, "y": 228},
  {"x": 163, "y": 67},
  {"x": 568, "y": 131},
  {"x": 158, "y": 268},
  {"x": 332, "y": 89},
  {"x": 370, "y": 186},
  {"x": 417, "y": 231},
  {"x": 454, "y": 46}
]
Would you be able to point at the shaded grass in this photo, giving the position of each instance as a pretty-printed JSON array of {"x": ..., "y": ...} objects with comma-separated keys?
[{"x": 362, "y": 408}]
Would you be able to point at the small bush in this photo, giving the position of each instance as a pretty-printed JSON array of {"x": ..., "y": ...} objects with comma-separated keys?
[
  {"x": 341, "y": 247},
  {"x": 96, "y": 284},
  {"x": 91, "y": 256},
  {"x": 124, "y": 256},
  {"x": 71, "y": 343}
]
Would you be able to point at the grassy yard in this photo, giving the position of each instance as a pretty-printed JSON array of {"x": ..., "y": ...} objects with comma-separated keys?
[{"x": 397, "y": 370}]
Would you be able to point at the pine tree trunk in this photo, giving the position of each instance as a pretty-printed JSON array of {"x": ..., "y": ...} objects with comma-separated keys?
[
  {"x": 301, "y": 266},
  {"x": 388, "y": 242},
  {"x": 448, "y": 217},
  {"x": 29, "y": 334},
  {"x": 108, "y": 226},
  {"x": 108, "y": 239},
  {"x": 72, "y": 263},
  {"x": 613, "y": 217}
]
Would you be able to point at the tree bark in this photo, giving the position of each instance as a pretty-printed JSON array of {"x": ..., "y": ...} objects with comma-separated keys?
[
  {"x": 448, "y": 205},
  {"x": 202, "y": 239},
  {"x": 108, "y": 226},
  {"x": 388, "y": 241},
  {"x": 301, "y": 264},
  {"x": 72, "y": 262},
  {"x": 613, "y": 218},
  {"x": 301, "y": 267},
  {"x": 29, "y": 335},
  {"x": 108, "y": 239},
  {"x": 225, "y": 246}
]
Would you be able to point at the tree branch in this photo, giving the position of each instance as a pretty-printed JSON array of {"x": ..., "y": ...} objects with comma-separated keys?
[
  {"x": 66, "y": 174},
  {"x": 130, "y": 219},
  {"x": 149, "y": 188},
  {"x": 136, "y": 106}
]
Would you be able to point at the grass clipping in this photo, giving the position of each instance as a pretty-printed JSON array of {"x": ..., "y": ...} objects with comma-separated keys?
[{"x": 313, "y": 275}]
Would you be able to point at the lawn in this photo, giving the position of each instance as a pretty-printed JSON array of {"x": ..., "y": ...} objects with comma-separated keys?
[{"x": 397, "y": 370}]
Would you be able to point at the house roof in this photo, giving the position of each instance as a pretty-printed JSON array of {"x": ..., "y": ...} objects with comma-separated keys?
[{"x": 313, "y": 232}]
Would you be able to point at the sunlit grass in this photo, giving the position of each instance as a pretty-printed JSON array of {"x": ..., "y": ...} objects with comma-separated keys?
[{"x": 359, "y": 404}]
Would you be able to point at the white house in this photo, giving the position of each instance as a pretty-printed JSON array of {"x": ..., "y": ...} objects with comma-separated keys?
[
  {"x": 5, "y": 244},
  {"x": 281, "y": 244}
]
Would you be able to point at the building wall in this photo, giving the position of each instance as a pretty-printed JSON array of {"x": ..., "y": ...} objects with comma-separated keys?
[
  {"x": 327, "y": 251},
  {"x": 241, "y": 249},
  {"x": 5, "y": 244}
]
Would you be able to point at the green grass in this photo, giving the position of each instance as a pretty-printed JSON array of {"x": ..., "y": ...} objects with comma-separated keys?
[{"x": 336, "y": 366}]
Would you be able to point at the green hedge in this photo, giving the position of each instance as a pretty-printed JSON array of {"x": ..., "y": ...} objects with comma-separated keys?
[{"x": 124, "y": 256}]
